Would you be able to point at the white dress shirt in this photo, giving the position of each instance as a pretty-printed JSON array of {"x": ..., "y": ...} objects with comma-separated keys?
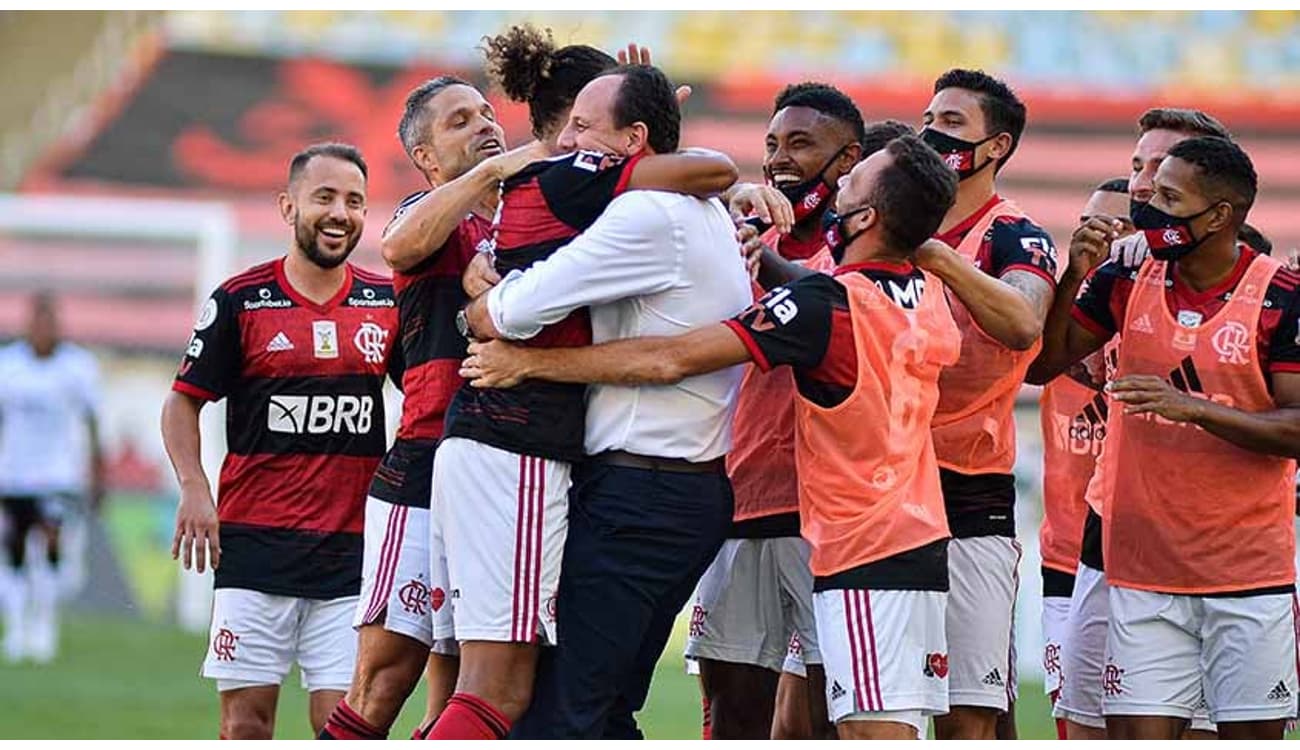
[
  {"x": 653, "y": 264},
  {"x": 44, "y": 404}
]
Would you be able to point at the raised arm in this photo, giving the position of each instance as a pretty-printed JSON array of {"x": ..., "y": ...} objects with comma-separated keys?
[
  {"x": 196, "y": 538},
  {"x": 693, "y": 171},
  {"x": 1010, "y": 309},
  {"x": 651, "y": 360},
  {"x": 423, "y": 227},
  {"x": 1065, "y": 341},
  {"x": 618, "y": 257}
]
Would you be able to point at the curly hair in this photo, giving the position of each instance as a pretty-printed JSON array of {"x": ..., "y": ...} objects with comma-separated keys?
[
  {"x": 1223, "y": 169},
  {"x": 525, "y": 64},
  {"x": 827, "y": 100},
  {"x": 879, "y": 134}
]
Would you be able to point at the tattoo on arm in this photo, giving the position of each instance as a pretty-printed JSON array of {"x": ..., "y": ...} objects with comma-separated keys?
[{"x": 1035, "y": 288}]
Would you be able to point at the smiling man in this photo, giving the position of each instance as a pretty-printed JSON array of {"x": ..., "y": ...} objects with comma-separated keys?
[
  {"x": 300, "y": 347},
  {"x": 1196, "y": 478}
]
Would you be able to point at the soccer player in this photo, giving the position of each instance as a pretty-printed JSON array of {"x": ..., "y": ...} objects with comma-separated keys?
[
  {"x": 50, "y": 467},
  {"x": 866, "y": 347},
  {"x": 299, "y": 346},
  {"x": 1196, "y": 479},
  {"x": 1080, "y": 700},
  {"x": 501, "y": 475},
  {"x": 800, "y": 705},
  {"x": 1000, "y": 280},
  {"x": 757, "y": 594},
  {"x": 450, "y": 133},
  {"x": 1073, "y": 419}
]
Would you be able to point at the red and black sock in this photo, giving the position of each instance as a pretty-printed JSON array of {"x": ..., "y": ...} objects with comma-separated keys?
[
  {"x": 706, "y": 733},
  {"x": 422, "y": 732},
  {"x": 346, "y": 724},
  {"x": 468, "y": 717}
]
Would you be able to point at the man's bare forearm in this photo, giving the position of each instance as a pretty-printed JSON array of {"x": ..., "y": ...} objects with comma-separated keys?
[
  {"x": 180, "y": 433},
  {"x": 426, "y": 225},
  {"x": 1274, "y": 433}
]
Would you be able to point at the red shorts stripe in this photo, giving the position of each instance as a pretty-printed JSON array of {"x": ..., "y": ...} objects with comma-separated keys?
[
  {"x": 515, "y": 614},
  {"x": 853, "y": 647},
  {"x": 388, "y": 554},
  {"x": 875, "y": 661},
  {"x": 539, "y": 517}
]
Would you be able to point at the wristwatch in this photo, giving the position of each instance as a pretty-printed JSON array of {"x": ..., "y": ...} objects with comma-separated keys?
[{"x": 462, "y": 324}]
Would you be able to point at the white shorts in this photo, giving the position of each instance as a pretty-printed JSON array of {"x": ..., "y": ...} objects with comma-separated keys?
[
  {"x": 755, "y": 595},
  {"x": 255, "y": 638},
  {"x": 1056, "y": 618},
  {"x": 395, "y": 590},
  {"x": 982, "y": 579},
  {"x": 499, "y": 524},
  {"x": 883, "y": 651},
  {"x": 1083, "y": 655},
  {"x": 1166, "y": 653}
]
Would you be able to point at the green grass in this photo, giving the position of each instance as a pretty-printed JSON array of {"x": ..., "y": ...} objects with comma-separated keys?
[{"x": 123, "y": 679}]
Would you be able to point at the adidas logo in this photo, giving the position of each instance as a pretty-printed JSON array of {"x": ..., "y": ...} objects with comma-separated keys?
[
  {"x": 1143, "y": 324},
  {"x": 994, "y": 678},
  {"x": 280, "y": 343},
  {"x": 837, "y": 691},
  {"x": 1279, "y": 692}
]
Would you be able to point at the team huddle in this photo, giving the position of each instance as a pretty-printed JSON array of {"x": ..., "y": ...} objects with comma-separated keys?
[{"x": 632, "y": 384}]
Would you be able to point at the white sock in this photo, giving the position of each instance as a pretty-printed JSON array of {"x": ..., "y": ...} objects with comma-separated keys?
[
  {"x": 13, "y": 607},
  {"x": 42, "y": 637}
]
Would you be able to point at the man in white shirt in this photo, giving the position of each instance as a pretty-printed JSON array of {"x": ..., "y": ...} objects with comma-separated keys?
[
  {"x": 49, "y": 462},
  {"x": 652, "y": 504}
]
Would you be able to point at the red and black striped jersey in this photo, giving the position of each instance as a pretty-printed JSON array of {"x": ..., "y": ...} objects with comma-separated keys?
[
  {"x": 428, "y": 297},
  {"x": 304, "y": 424},
  {"x": 543, "y": 207}
]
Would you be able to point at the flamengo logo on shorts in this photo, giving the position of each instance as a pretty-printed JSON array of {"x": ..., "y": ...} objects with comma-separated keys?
[
  {"x": 317, "y": 415},
  {"x": 936, "y": 665},
  {"x": 696, "y": 628},
  {"x": 1112, "y": 680},
  {"x": 414, "y": 597},
  {"x": 1052, "y": 658},
  {"x": 223, "y": 645}
]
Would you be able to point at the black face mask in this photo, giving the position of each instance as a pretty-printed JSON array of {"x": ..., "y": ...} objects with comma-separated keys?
[
  {"x": 1169, "y": 237},
  {"x": 958, "y": 154},
  {"x": 807, "y": 196},
  {"x": 835, "y": 230}
]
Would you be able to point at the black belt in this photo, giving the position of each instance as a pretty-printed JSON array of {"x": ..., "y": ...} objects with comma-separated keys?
[{"x": 675, "y": 465}]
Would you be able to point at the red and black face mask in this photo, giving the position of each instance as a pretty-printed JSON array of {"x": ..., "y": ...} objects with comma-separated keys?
[
  {"x": 1169, "y": 237},
  {"x": 810, "y": 195},
  {"x": 956, "y": 153}
]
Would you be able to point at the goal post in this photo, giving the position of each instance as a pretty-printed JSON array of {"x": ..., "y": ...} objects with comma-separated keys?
[{"x": 208, "y": 229}]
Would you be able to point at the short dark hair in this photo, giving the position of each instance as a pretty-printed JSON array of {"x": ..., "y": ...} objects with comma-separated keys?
[
  {"x": 1003, "y": 110},
  {"x": 1186, "y": 121},
  {"x": 525, "y": 63},
  {"x": 913, "y": 193},
  {"x": 1113, "y": 185},
  {"x": 646, "y": 95},
  {"x": 414, "y": 122},
  {"x": 341, "y": 151},
  {"x": 1223, "y": 169},
  {"x": 1254, "y": 239},
  {"x": 878, "y": 135},
  {"x": 827, "y": 100}
]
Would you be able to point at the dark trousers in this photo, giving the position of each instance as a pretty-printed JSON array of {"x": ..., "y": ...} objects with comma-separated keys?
[{"x": 639, "y": 540}]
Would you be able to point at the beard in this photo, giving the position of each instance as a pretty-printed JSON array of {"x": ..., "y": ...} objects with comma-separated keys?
[{"x": 305, "y": 236}]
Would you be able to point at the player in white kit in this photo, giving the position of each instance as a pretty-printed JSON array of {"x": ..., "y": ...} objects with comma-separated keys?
[{"x": 50, "y": 465}]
